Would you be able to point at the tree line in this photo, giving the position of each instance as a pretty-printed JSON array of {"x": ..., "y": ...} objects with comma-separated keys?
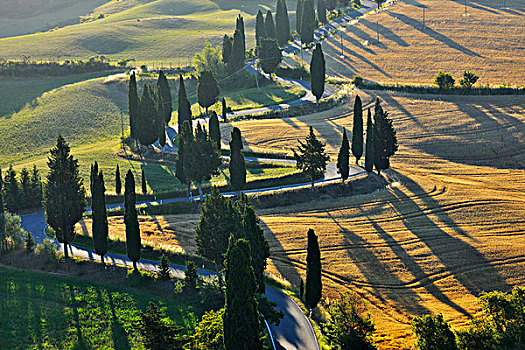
[
  {"x": 29, "y": 68},
  {"x": 24, "y": 192}
]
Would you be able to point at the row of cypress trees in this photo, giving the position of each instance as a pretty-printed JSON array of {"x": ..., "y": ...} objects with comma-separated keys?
[
  {"x": 23, "y": 194},
  {"x": 234, "y": 47},
  {"x": 265, "y": 27}
]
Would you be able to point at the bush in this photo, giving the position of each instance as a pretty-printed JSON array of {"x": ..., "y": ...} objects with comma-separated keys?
[
  {"x": 13, "y": 231},
  {"x": 468, "y": 79},
  {"x": 358, "y": 81},
  {"x": 433, "y": 333},
  {"x": 164, "y": 268},
  {"x": 47, "y": 250},
  {"x": 30, "y": 243},
  {"x": 209, "y": 332},
  {"x": 444, "y": 81}
]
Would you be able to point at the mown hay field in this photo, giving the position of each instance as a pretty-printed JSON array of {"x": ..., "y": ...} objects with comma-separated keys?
[{"x": 488, "y": 41}]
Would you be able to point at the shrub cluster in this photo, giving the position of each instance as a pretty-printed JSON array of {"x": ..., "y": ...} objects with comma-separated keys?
[
  {"x": 299, "y": 72},
  {"x": 25, "y": 193},
  {"x": 29, "y": 68}
]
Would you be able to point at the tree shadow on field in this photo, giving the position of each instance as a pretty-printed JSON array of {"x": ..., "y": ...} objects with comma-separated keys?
[
  {"x": 158, "y": 176},
  {"x": 416, "y": 24},
  {"x": 462, "y": 260},
  {"x": 387, "y": 33},
  {"x": 472, "y": 5},
  {"x": 118, "y": 333},
  {"x": 80, "y": 343}
]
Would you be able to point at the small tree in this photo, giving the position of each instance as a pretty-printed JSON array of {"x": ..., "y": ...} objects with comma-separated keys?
[
  {"x": 317, "y": 72},
  {"x": 343, "y": 158},
  {"x": 237, "y": 166},
  {"x": 30, "y": 243},
  {"x": 133, "y": 241},
  {"x": 357, "y": 131},
  {"x": 164, "y": 271},
  {"x": 308, "y": 22},
  {"x": 348, "y": 326},
  {"x": 207, "y": 90},
  {"x": 311, "y": 157},
  {"x": 444, "y": 81},
  {"x": 143, "y": 182},
  {"x": 369, "y": 155},
  {"x": 469, "y": 79},
  {"x": 191, "y": 276},
  {"x": 224, "y": 110},
  {"x": 433, "y": 333},
  {"x": 269, "y": 26},
  {"x": 270, "y": 55},
  {"x": 314, "y": 287},
  {"x": 215, "y": 130},
  {"x": 118, "y": 181},
  {"x": 64, "y": 194}
]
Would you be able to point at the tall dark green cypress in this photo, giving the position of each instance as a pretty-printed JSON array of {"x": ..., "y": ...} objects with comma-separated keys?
[
  {"x": 205, "y": 158},
  {"x": 3, "y": 243},
  {"x": 184, "y": 105},
  {"x": 226, "y": 49},
  {"x": 207, "y": 90},
  {"x": 269, "y": 25},
  {"x": 357, "y": 131},
  {"x": 238, "y": 53},
  {"x": 308, "y": 22},
  {"x": 369, "y": 155},
  {"x": 317, "y": 72},
  {"x": 185, "y": 139},
  {"x": 239, "y": 25},
  {"x": 343, "y": 158},
  {"x": 100, "y": 219},
  {"x": 133, "y": 241},
  {"x": 118, "y": 181},
  {"x": 314, "y": 286},
  {"x": 165, "y": 94},
  {"x": 321, "y": 11},
  {"x": 160, "y": 106},
  {"x": 385, "y": 140},
  {"x": 237, "y": 166},
  {"x": 147, "y": 117},
  {"x": 260, "y": 29},
  {"x": 242, "y": 328},
  {"x": 215, "y": 130},
  {"x": 224, "y": 110},
  {"x": 144, "y": 183},
  {"x": 36, "y": 186},
  {"x": 299, "y": 16},
  {"x": 64, "y": 193},
  {"x": 133, "y": 105},
  {"x": 282, "y": 23},
  {"x": 12, "y": 190}
]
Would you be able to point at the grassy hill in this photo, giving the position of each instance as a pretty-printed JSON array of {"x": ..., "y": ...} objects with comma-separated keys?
[{"x": 161, "y": 30}]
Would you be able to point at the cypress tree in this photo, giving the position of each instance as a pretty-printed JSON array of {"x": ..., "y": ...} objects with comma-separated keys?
[
  {"x": 165, "y": 96},
  {"x": 239, "y": 25},
  {"x": 25, "y": 184},
  {"x": 385, "y": 140},
  {"x": 357, "y": 132},
  {"x": 311, "y": 157},
  {"x": 282, "y": 23},
  {"x": 215, "y": 130},
  {"x": 144, "y": 184},
  {"x": 224, "y": 110},
  {"x": 207, "y": 90},
  {"x": 147, "y": 117},
  {"x": 269, "y": 25},
  {"x": 64, "y": 193},
  {"x": 100, "y": 220},
  {"x": 185, "y": 141},
  {"x": 205, "y": 159},
  {"x": 317, "y": 72},
  {"x": 133, "y": 242},
  {"x": 241, "y": 316},
  {"x": 226, "y": 49},
  {"x": 184, "y": 105},
  {"x": 160, "y": 106},
  {"x": 301, "y": 290},
  {"x": 343, "y": 158},
  {"x": 369, "y": 155},
  {"x": 36, "y": 187},
  {"x": 321, "y": 11},
  {"x": 238, "y": 53},
  {"x": 308, "y": 22},
  {"x": 314, "y": 287},
  {"x": 260, "y": 30},
  {"x": 12, "y": 190},
  {"x": 133, "y": 105},
  {"x": 299, "y": 16},
  {"x": 237, "y": 166},
  {"x": 118, "y": 182},
  {"x": 270, "y": 55}
]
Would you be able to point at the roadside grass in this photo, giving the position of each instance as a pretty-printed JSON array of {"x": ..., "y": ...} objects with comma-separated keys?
[{"x": 45, "y": 310}]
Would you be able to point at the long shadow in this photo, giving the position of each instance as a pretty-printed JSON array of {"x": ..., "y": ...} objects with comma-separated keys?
[
  {"x": 457, "y": 256},
  {"x": 363, "y": 58},
  {"x": 118, "y": 333},
  {"x": 80, "y": 343},
  {"x": 386, "y": 32},
  {"x": 416, "y": 24},
  {"x": 472, "y": 5},
  {"x": 361, "y": 35},
  {"x": 35, "y": 316}
]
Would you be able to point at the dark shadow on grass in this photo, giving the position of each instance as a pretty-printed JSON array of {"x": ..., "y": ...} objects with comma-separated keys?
[
  {"x": 118, "y": 333},
  {"x": 385, "y": 32},
  {"x": 472, "y": 5}
]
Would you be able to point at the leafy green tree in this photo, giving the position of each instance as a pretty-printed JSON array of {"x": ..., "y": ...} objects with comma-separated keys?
[
  {"x": 12, "y": 190},
  {"x": 239, "y": 25},
  {"x": 308, "y": 22},
  {"x": 314, "y": 288},
  {"x": 242, "y": 328},
  {"x": 433, "y": 333},
  {"x": 348, "y": 326},
  {"x": 191, "y": 276},
  {"x": 238, "y": 53},
  {"x": 224, "y": 110},
  {"x": 299, "y": 16},
  {"x": 260, "y": 29},
  {"x": 282, "y": 23},
  {"x": 385, "y": 140},
  {"x": 165, "y": 97},
  {"x": 317, "y": 72},
  {"x": 226, "y": 49},
  {"x": 369, "y": 155},
  {"x": 164, "y": 271},
  {"x": 207, "y": 90},
  {"x": 469, "y": 79},
  {"x": 444, "y": 81},
  {"x": 209, "y": 59},
  {"x": 185, "y": 141},
  {"x": 270, "y": 55},
  {"x": 209, "y": 332},
  {"x": 237, "y": 166},
  {"x": 118, "y": 181},
  {"x": 269, "y": 26},
  {"x": 100, "y": 219},
  {"x": 133, "y": 240},
  {"x": 64, "y": 193},
  {"x": 357, "y": 132},
  {"x": 146, "y": 124},
  {"x": 215, "y": 130},
  {"x": 184, "y": 105},
  {"x": 133, "y": 105},
  {"x": 218, "y": 220},
  {"x": 321, "y": 11},
  {"x": 158, "y": 332},
  {"x": 30, "y": 243},
  {"x": 311, "y": 157},
  {"x": 343, "y": 158},
  {"x": 144, "y": 182}
]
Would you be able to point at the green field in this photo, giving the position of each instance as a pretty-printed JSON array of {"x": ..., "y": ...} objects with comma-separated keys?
[
  {"x": 42, "y": 311},
  {"x": 156, "y": 30}
]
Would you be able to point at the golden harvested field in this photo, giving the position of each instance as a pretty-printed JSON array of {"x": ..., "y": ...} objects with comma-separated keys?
[
  {"x": 489, "y": 41},
  {"x": 451, "y": 227}
]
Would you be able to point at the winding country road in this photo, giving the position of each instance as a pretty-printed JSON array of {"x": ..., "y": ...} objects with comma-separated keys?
[{"x": 295, "y": 331}]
